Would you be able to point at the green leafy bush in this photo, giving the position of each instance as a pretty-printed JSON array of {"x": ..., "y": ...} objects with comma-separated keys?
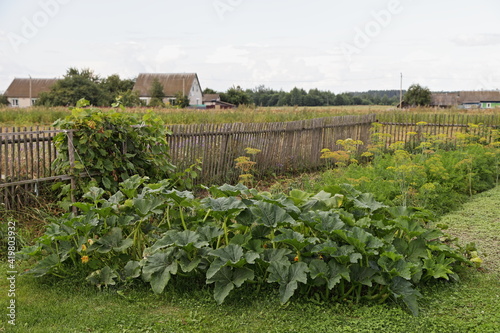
[
  {"x": 424, "y": 172},
  {"x": 338, "y": 244},
  {"x": 110, "y": 146}
]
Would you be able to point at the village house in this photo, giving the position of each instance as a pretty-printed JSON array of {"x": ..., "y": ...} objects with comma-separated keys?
[
  {"x": 187, "y": 83},
  {"x": 467, "y": 99},
  {"x": 24, "y": 92},
  {"x": 212, "y": 101}
]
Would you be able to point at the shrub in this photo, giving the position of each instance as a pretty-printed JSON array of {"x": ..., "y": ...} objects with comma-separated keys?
[{"x": 110, "y": 146}]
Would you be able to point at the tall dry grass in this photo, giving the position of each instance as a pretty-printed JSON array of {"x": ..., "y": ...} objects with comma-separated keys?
[{"x": 45, "y": 116}]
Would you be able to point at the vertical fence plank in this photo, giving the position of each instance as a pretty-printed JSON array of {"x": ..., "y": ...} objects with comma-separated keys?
[
  {"x": 71, "y": 158},
  {"x": 2, "y": 140}
]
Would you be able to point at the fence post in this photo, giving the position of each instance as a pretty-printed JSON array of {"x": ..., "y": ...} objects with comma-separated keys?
[{"x": 71, "y": 157}]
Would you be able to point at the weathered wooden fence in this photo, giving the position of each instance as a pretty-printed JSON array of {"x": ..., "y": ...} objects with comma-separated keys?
[
  {"x": 401, "y": 126},
  {"x": 26, "y": 154},
  {"x": 284, "y": 146}
]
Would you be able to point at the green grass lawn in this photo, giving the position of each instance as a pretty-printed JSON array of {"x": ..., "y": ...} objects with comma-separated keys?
[{"x": 51, "y": 305}]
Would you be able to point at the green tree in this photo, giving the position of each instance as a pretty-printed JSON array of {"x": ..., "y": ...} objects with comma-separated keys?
[
  {"x": 314, "y": 98},
  {"x": 417, "y": 95},
  {"x": 297, "y": 96},
  {"x": 235, "y": 95},
  {"x": 157, "y": 94},
  {"x": 339, "y": 100},
  {"x": 262, "y": 96},
  {"x": 4, "y": 100},
  {"x": 112, "y": 87},
  {"x": 75, "y": 85},
  {"x": 209, "y": 91},
  {"x": 283, "y": 98},
  {"x": 130, "y": 98},
  {"x": 181, "y": 100}
]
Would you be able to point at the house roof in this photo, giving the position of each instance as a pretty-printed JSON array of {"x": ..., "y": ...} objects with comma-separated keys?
[
  {"x": 172, "y": 83},
  {"x": 20, "y": 88},
  {"x": 211, "y": 97},
  {"x": 464, "y": 97},
  {"x": 444, "y": 99},
  {"x": 226, "y": 104},
  {"x": 478, "y": 96}
]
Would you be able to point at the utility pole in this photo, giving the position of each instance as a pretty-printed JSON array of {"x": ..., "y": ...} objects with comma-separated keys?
[{"x": 401, "y": 93}]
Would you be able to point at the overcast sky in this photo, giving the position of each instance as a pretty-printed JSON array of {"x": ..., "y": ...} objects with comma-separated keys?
[{"x": 332, "y": 45}]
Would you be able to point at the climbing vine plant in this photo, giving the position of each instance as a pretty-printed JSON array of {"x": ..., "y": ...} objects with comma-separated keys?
[{"x": 110, "y": 146}]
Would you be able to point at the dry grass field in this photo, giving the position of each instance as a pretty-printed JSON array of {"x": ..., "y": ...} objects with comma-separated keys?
[{"x": 46, "y": 116}]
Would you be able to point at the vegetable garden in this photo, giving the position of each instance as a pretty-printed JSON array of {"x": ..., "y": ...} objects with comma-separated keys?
[
  {"x": 330, "y": 243},
  {"x": 360, "y": 232}
]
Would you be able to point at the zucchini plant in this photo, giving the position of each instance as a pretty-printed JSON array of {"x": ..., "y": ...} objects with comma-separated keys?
[{"x": 339, "y": 243}]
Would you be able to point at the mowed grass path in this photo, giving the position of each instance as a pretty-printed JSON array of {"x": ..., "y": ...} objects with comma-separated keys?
[
  {"x": 479, "y": 221},
  {"x": 51, "y": 305}
]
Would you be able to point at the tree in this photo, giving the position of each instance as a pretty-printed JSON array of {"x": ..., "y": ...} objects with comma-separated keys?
[
  {"x": 4, "y": 100},
  {"x": 315, "y": 98},
  {"x": 262, "y": 96},
  {"x": 112, "y": 87},
  {"x": 181, "y": 100},
  {"x": 209, "y": 91},
  {"x": 297, "y": 96},
  {"x": 130, "y": 98},
  {"x": 85, "y": 84},
  {"x": 75, "y": 85},
  {"x": 235, "y": 95},
  {"x": 417, "y": 95},
  {"x": 157, "y": 94},
  {"x": 283, "y": 99}
]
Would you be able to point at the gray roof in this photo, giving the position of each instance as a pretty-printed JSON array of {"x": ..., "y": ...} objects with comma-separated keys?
[
  {"x": 20, "y": 88},
  {"x": 479, "y": 96},
  {"x": 444, "y": 99},
  {"x": 211, "y": 97},
  {"x": 172, "y": 83},
  {"x": 461, "y": 97}
]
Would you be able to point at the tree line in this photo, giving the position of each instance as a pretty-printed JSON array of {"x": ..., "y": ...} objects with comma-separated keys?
[
  {"x": 84, "y": 83},
  {"x": 264, "y": 96}
]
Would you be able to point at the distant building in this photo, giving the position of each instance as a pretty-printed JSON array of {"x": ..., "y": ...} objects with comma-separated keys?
[
  {"x": 212, "y": 101},
  {"x": 24, "y": 92},
  {"x": 467, "y": 99},
  {"x": 188, "y": 84}
]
